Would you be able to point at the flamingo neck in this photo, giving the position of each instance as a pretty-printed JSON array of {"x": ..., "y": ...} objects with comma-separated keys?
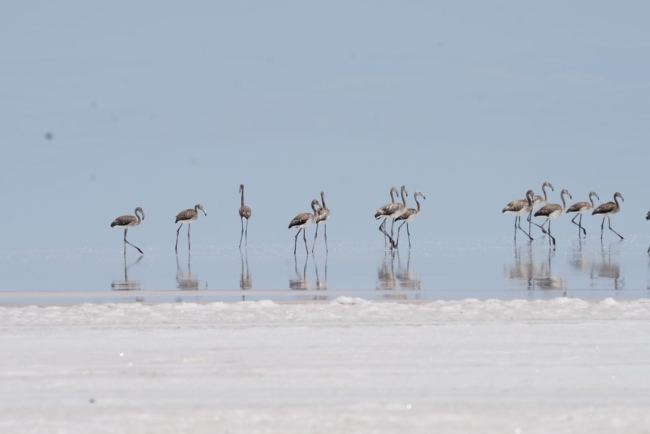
[
  {"x": 563, "y": 202},
  {"x": 616, "y": 200},
  {"x": 242, "y": 197},
  {"x": 545, "y": 193},
  {"x": 392, "y": 197},
  {"x": 404, "y": 198},
  {"x": 591, "y": 198},
  {"x": 418, "y": 202},
  {"x": 322, "y": 199}
]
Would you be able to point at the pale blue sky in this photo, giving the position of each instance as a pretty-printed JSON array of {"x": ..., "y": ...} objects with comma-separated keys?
[{"x": 164, "y": 105}]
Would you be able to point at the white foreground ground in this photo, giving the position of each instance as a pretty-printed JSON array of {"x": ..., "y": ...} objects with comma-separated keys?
[{"x": 561, "y": 366}]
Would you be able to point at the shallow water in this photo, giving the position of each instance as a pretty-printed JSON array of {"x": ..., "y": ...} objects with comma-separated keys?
[{"x": 452, "y": 268}]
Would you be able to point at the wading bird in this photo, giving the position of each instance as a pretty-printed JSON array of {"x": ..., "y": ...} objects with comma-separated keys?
[
  {"x": 392, "y": 211},
  {"x": 382, "y": 213},
  {"x": 321, "y": 219},
  {"x": 244, "y": 214},
  {"x": 301, "y": 221},
  {"x": 581, "y": 208},
  {"x": 519, "y": 208},
  {"x": 607, "y": 210},
  {"x": 186, "y": 218},
  {"x": 408, "y": 216},
  {"x": 128, "y": 221},
  {"x": 539, "y": 201},
  {"x": 552, "y": 211}
]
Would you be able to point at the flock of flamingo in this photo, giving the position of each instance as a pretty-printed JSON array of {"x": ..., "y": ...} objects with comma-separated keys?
[
  {"x": 393, "y": 211},
  {"x": 399, "y": 212},
  {"x": 551, "y": 211}
]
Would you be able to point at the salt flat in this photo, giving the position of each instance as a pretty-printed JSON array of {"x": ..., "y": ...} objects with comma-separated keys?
[{"x": 348, "y": 366}]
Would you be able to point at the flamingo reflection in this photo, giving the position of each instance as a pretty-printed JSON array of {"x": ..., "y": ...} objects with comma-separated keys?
[
  {"x": 532, "y": 274},
  {"x": 389, "y": 280},
  {"x": 321, "y": 285},
  {"x": 608, "y": 267},
  {"x": 246, "y": 279},
  {"x": 386, "y": 272},
  {"x": 407, "y": 278},
  {"x": 126, "y": 284},
  {"x": 579, "y": 260},
  {"x": 300, "y": 282},
  {"x": 186, "y": 281}
]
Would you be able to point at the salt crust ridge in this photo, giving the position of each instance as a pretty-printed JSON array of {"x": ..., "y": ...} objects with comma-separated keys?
[{"x": 342, "y": 311}]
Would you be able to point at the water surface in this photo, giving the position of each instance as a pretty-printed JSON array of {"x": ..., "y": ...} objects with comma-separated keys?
[{"x": 452, "y": 268}]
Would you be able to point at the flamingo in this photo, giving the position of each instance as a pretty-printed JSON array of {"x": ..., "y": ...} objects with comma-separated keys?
[
  {"x": 128, "y": 221},
  {"x": 519, "y": 208},
  {"x": 607, "y": 210},
  {"x": 323, "y": 217},
  {"x": 408, "y": 216},
  {"x": 302, "y": 221},
  {"x": 552, "y": 211},
  {"x": 581, "y": 208},
  {"x": 244, "y": 214},
  {"x": 391, "y": 211},
  {"x": 186, "y": 218}
]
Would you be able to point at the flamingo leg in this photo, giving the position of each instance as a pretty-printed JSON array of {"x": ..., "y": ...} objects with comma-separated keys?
[
  {"x": 189, "y": 247},
  {"x": 242, "y": 231},
  {"x": 326, "y": 249},
  {"x": 247, "y": 232},
  {"x": 602, "y": 228},
  {"x": 315, "y": 235},
  {"x": 304, "y": 237},
  {"x": 383, "y": 230},
  {"x": 295, "y": 243},
  {"x": 409, "y": 233},
  {"x": 136, "y": 247},
  {"x": 393, "y": 245},
  {"x": 609, "y": 221},
  {"x": 573, "y": 220},
  {"x": 540, "y": 226},
  {"x": 519, "y": 226},
  {"x": 550, "y": 237},
  {"x": 400, "y": 228},
  {"x": 178, "y": 232},
  {"x": 583, "y": 229}
]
